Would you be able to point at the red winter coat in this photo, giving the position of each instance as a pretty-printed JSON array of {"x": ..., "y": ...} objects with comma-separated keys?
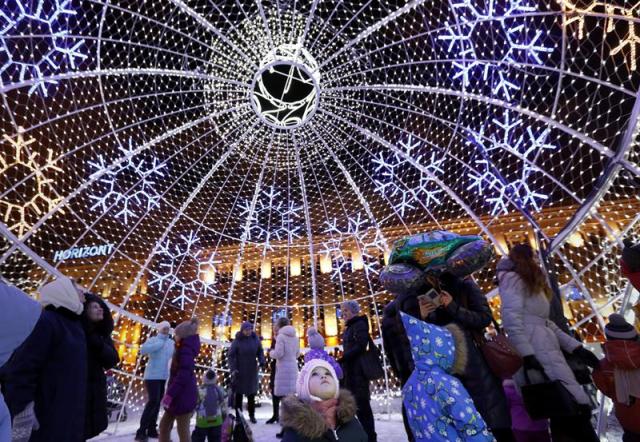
[
  {"x": 623, "y": 355},
  {"x": 633, "y": 277}
]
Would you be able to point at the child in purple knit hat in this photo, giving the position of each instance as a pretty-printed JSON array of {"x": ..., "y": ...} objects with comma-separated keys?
[{"x": 316, "y": 344}]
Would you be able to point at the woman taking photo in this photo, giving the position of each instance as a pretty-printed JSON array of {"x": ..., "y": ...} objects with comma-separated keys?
[{"x": 525, "y": 296}]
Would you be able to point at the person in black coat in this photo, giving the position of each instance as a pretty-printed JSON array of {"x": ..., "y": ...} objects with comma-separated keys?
[
  {"x": 464, "y": 304},
  {"x": 244, "y": 355},
  {"x": 50, "y": 368},
  {"x": 102, "y": 355},
  {"x": 398, "y": 351},
  {"x": 354, "y": 343}
]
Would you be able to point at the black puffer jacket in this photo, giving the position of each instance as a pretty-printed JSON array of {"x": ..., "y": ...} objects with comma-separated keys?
[
  {"x": 102, "y": 355},
  {"x": 395, "y": 343},
  {"x": 50, "y": 369},
  {"x": 354, "y": 343},
  {"x": 469, "y": 310},
  {"x": 301, "y": 423}
]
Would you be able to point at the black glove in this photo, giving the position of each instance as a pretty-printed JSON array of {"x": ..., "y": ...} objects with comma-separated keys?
[
  {"x": 587, "y": 357},
  {"x": 531, "y": 363}
]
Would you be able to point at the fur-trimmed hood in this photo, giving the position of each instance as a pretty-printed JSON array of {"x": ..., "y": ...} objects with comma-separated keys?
[
  {"x": 304, "y": 420},
  {"x": 433, "y": 346}
]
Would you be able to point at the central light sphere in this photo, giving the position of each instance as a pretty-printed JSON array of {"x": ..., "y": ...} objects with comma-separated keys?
[{"x": 286, "y": 89}]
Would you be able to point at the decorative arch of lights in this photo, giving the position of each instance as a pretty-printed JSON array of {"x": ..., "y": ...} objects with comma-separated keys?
[{"x": 247, "y": 160}]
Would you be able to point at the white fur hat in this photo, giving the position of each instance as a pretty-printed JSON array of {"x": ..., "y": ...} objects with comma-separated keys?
[{"x": 302, "y": 386}]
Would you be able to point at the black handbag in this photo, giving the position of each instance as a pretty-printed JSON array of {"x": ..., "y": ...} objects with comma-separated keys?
[
  {"x": 579, "y": 368},
  {"x": 548, "y": 399},
  {"x": 371, "y": 363}
]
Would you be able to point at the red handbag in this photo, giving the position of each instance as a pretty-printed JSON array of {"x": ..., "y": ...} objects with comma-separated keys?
[{"x": 502, "y": 358}]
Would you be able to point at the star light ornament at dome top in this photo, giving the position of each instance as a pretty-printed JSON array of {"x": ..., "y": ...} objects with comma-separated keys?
[
  {"x": 527, "y": 143},
  {"x": 366, "y": 241},
  {"x": 468, "y": 39},
  {"x": 35, "y": 42},
  {"x": 390, "y": 169},
  {"x": 182, "y": 270},
  {"x": 129, "y": 185},
  {"x": 33, "y": 196},
  {"x": 272, "y": 219}
]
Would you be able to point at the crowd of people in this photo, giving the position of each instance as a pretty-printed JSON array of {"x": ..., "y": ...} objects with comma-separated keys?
[{"x": 54, "y": 360}]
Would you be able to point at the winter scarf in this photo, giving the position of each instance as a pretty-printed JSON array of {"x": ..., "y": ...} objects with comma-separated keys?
[
  {"x": 327, "y": 409},
  {"x": 61, "y": 293}
]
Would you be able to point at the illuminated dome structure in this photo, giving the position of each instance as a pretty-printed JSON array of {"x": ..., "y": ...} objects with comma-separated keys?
[{"x": 247, "y": 160}]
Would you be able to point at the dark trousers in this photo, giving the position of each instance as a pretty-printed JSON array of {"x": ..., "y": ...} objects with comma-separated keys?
[
  {"x": 155, "y": 391},
  {"x": 573, "y": 429},
  {"x": 251, "y": 399},
  {"x": 365, "y": 416},
  {"x": 212, "y": 434},
  {"x": 276, "y": 406},
  {"x": 407, "y": 427}
]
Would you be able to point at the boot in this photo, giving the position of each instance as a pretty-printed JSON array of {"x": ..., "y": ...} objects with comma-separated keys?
[
  {"x": 273, "y": 420},
  {"x": 253, "y": 420},
  {"x": 153, "y": 433},
  {"x": 141, "y": 436}
]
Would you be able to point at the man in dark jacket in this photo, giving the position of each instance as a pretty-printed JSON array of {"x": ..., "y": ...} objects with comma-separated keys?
[
  {"x": 244, "y": 355},
  {"x": 354, "y": 343},
  {"x": 50, "y": 367},
  {"x": 102, "y": 355},
  {"x": 464, "y": 304}
]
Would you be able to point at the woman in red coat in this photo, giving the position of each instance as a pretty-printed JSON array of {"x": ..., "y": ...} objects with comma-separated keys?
[{"x": 618, "y": 375}]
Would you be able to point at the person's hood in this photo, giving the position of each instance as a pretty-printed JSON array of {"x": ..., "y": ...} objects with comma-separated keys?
[
  {"x": 623, "y": 354},
  {"x": 240, "y": 335},
  {"x": 104, "y": 327},
  {"x": 304, "y": 420},
  {"x": 433, "y": 346},
  {"x": 61, "y": 293},
  {"x": 287, "y": 331},
  {"x": 18, "y": 316}
]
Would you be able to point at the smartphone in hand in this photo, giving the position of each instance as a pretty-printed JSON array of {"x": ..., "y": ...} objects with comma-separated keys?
[{"x": 432, "y": 296}]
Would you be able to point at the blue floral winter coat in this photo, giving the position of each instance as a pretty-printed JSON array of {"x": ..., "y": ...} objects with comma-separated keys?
[{"x": 438, "y": 406}]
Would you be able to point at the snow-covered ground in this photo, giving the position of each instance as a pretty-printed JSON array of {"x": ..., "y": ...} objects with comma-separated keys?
[{"x": 388, "y": 427}]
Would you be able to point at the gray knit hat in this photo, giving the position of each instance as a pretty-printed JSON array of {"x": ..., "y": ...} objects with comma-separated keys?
[
  {"x": 316, "y": 341},
  {"x": 619, "y": 328}
]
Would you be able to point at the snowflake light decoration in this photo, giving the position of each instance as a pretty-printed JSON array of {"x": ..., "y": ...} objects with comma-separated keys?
[
  {"x": 272, "y": 219},
  {"x": 389, "y": 170},
  {"x": 368, "y": 242},
  {"x": 509, "y": 44},
  {"x": 129, "y": 185},
  {"x": 614, "y": 14},
  {"x": 34, "y": 196},
  {"x": 526, "y": 143},
  {"x": 182, "y": 270},
  {"x": 35, "y": 41}
]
